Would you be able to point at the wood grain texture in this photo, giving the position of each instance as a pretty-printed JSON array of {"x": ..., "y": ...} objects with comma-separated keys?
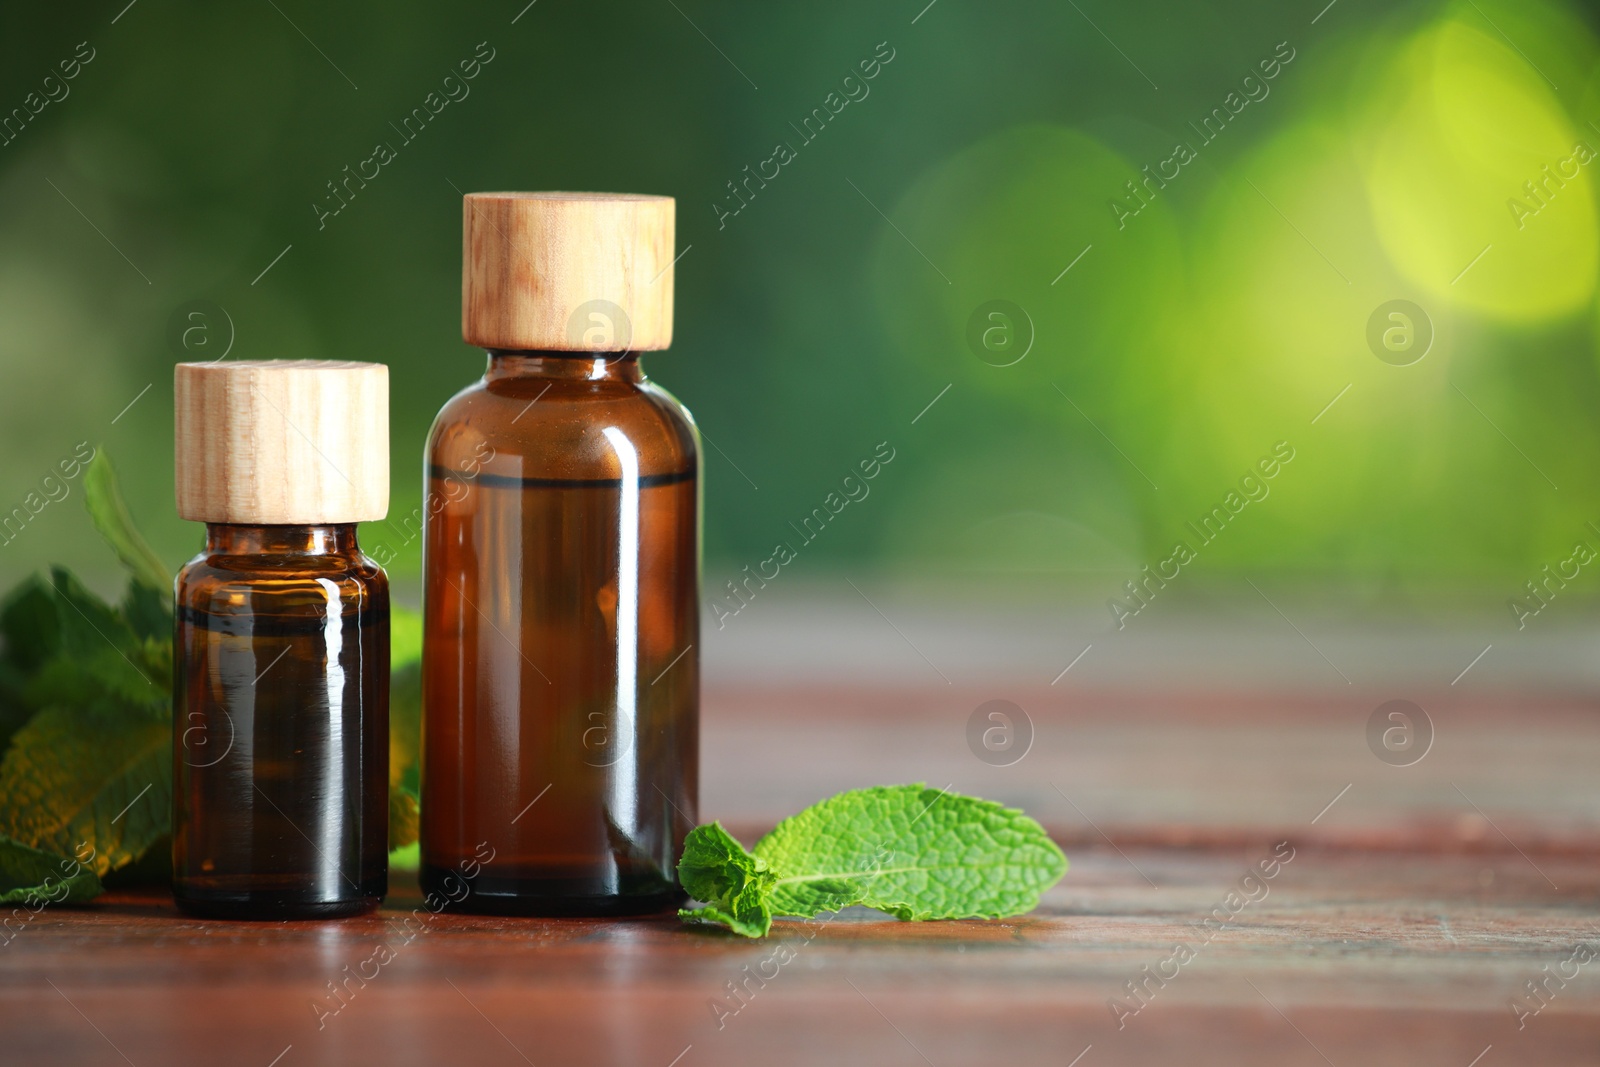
[
  {"x": 1386, "y": 940},
  {"x": 567, "y": 271},
  {"x": 282, "y": 441}
]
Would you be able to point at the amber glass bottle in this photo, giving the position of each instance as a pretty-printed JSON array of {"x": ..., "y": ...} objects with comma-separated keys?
[
  {"x": 560, "y": 669},
  {"x": 281, "y": 660}
]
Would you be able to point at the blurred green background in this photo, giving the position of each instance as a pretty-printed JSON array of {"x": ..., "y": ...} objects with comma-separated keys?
[{"x": 1158, "y": 342}]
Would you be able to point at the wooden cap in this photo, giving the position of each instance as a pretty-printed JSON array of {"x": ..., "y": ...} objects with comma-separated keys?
[
  {"x": 287, "y": 442},
  {"x": 567, "y": 272}
]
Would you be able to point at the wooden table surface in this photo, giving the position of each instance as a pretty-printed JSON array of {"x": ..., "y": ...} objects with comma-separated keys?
[{"x": 1418, "y": 904}]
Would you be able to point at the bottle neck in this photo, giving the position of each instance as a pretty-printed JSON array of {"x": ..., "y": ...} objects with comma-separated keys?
[
  {"x": 231, "y": 539},
  {"x": 564, "y": 366}
]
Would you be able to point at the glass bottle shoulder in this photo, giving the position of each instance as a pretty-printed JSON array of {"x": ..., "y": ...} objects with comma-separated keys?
[
  {"x": 221, "y": 583},
  {"x": 562, "y": 428}
]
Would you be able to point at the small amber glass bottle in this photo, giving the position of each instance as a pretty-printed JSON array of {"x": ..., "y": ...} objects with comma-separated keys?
[
  {"x": 281, "y": 660},
  {"x": 561, "y": 559}
]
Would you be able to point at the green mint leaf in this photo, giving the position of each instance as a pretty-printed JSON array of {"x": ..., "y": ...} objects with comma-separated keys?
[
  {"x": 148, "y": 612},
  {"x": 100, "y": 654},
  {"x": 734, "y": 885},
  {"x": 103, "y": 497},
  {"x": 96, "y": 776},
  {"x": 34, "y": 878},
  {"x": 28, "y": 625},
  {"x": 29, "y": 637},
  {"x": 914, "y": 852},
  {"x": 15, "y": 709},
  {"x": 64, "y": 645}
]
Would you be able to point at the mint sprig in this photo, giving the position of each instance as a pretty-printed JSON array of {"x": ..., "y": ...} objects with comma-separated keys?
[
  {"x": 35, "y": 878},
  {"x": 914, "y": 852},
  {"x": 109, "y": 513}
]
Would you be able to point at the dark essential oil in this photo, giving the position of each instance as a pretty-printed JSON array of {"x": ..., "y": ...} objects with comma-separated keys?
[{"x": 281, "y": 725}]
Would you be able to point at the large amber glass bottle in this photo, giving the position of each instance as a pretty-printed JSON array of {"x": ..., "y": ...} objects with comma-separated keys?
[
  {"x": 560, "y": 672},
  {"x": 281, "y": 658}
]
